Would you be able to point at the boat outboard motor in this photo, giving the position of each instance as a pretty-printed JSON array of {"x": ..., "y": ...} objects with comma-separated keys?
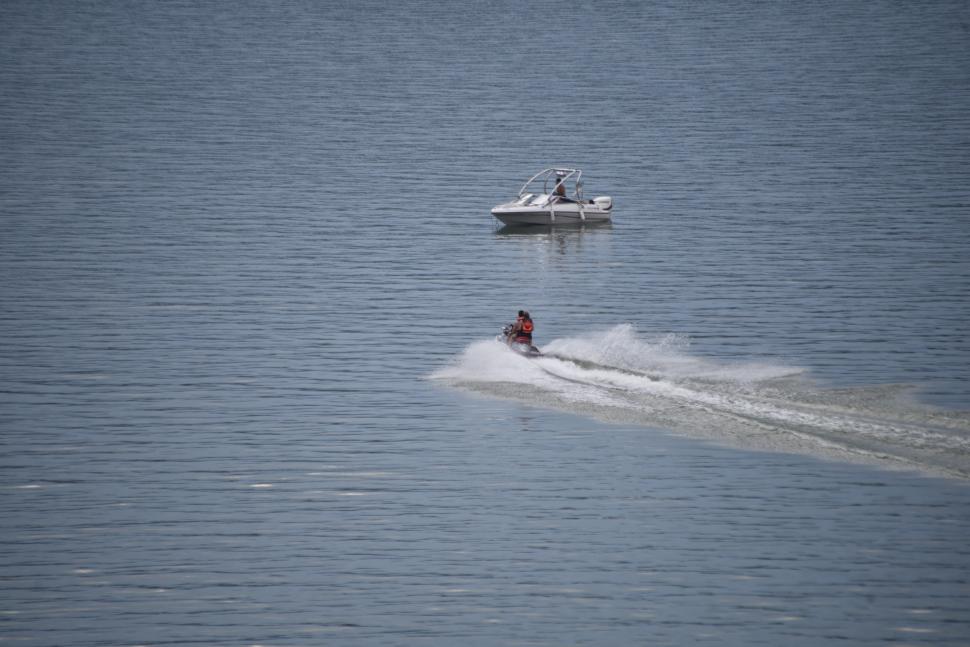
[{"x": 604, "y": 202}]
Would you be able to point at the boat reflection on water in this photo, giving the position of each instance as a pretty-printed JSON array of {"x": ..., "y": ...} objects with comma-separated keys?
[
  {"x": 562, "y": 239},
  {"x": 547, "y": 230}
]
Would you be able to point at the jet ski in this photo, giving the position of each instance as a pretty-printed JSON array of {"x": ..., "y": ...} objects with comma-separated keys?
[{"x": 522, "y": 348}]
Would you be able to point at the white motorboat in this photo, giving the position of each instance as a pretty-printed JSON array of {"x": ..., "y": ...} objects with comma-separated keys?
[{"x": 553, "y": 203}]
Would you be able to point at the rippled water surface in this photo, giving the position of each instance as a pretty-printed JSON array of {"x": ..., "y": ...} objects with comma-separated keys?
[{"x": 249, "y": 388}]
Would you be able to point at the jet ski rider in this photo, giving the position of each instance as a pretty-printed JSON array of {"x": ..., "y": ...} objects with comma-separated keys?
[{"x": 522, "y": 329}]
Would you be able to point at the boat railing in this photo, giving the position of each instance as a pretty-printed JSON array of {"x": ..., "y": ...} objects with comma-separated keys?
[{"x": 563, "y": 173}]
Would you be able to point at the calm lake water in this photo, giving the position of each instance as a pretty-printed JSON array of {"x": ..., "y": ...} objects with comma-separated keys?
[{"x": 249, "y": 388}]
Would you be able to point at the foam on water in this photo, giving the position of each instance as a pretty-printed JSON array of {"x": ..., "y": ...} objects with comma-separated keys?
[
  {"x": 617, "y": 375},
  {"x": 493, "y": 363},
  {"x": 666, "y": 355}
]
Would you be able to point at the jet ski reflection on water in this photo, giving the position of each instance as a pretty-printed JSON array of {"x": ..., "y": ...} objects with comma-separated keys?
[{"x": 522, "y": 348}]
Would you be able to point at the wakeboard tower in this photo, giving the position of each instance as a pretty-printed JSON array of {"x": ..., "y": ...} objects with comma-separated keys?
[{"x": 522, "y": 348}]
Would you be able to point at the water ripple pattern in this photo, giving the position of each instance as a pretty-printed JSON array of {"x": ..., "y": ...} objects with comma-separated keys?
[{"x": 249, "y": 393}]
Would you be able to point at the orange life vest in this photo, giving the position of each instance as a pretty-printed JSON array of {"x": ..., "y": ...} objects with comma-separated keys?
[{"x": 525, "y": 332}]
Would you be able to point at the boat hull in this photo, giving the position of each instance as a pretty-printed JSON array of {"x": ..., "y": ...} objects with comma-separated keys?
[{"x": 559, "y": 215}]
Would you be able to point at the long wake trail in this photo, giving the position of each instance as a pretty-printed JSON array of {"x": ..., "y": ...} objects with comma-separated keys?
[{"x": 616, "y": 375}]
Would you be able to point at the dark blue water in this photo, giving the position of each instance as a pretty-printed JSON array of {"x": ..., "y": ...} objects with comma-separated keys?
[{"x": 248, "y": 388}]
